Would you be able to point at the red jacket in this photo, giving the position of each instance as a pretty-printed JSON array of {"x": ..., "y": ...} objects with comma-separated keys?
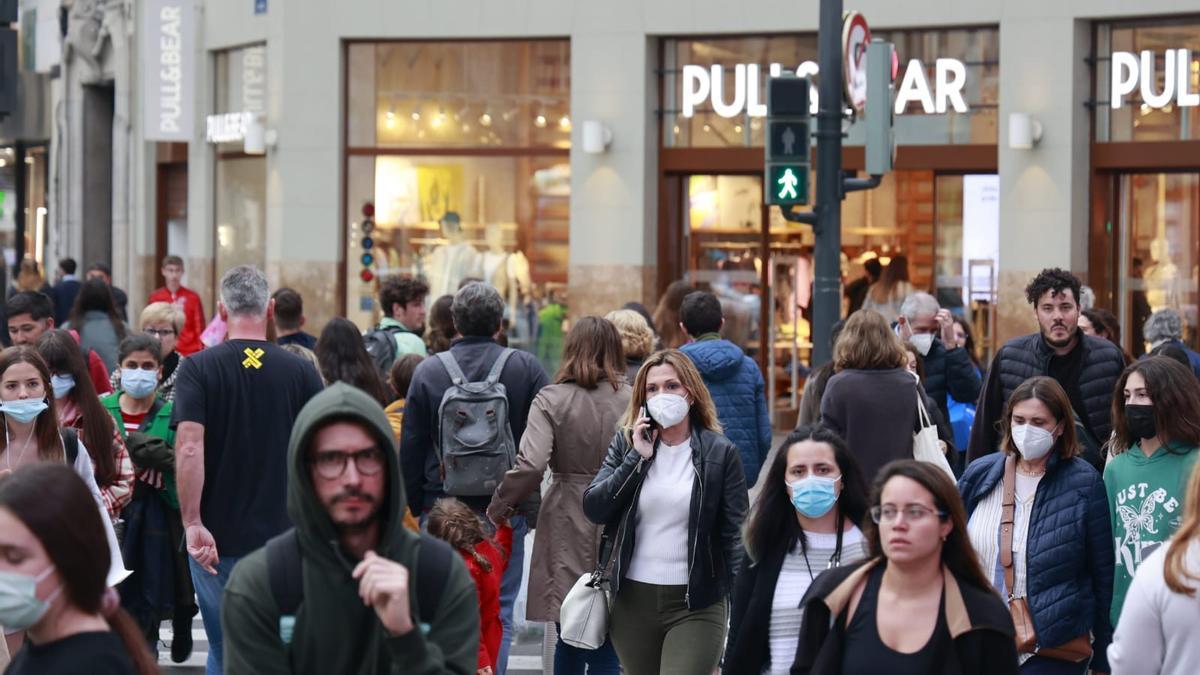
[
  {"x": 193, "y": 317},
  {"x": 488, "y": 586}
]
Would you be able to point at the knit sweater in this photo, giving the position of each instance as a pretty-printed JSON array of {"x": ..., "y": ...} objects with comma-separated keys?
[{"x": 660, "y": 554}]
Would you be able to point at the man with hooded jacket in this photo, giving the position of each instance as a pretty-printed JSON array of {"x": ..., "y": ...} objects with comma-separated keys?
[{"x": 359, "y": 566}]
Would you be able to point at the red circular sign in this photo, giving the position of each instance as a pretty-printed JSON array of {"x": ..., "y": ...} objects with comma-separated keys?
[{"x": 856, "y": 35}]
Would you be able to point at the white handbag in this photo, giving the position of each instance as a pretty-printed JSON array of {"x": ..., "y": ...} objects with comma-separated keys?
[
  {"x": 583, "y": 615},
  {"x": 925, "y": 442}
]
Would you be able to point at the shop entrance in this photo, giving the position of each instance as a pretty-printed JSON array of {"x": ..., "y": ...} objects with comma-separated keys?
[{"x": 1156, "y": 219}]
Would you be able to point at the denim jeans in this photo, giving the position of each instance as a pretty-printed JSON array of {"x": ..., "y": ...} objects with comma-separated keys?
[
  {"x": 510, "y": 585},
  {"x": 570, "y": 660},
  {"x": 208, "y": 592}
]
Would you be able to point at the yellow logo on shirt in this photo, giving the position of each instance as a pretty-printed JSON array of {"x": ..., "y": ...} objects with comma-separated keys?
[{"x": 252, "y": 358}]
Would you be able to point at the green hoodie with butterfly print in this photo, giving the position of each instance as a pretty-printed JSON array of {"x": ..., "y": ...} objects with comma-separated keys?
[{"x": 1145, "y": 499}]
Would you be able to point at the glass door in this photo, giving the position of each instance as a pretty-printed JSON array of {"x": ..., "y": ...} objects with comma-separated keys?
[{"x": 1158, "y": 218}]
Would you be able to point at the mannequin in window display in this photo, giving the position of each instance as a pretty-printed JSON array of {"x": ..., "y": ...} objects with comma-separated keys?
[
  {"x": 450, "y": 263},
  {"x": 495, "y": 259},
  {"x": 1162, "y": 278}
]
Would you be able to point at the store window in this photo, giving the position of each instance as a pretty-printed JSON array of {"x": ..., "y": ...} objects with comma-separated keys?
[
  {"x": 462, "y": 149},
  {"x": 23, "y": 212},
  {"x": 714, "y": 88},
  {"x": 1147, "y": 80},
  {"x": 241, "y": 179}
]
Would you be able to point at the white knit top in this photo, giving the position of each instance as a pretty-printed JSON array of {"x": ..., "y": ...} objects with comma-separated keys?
[{"x": 660, "y": 549}]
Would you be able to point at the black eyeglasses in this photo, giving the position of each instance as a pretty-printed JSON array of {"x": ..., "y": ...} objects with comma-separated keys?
[
  {"x": 332, "y": 465},
  {"x": 913, "y": 513}
]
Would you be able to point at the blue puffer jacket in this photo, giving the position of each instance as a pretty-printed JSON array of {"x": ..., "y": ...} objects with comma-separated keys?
[
  {"x": 737, "y": 387},
  {"x": 1069, "y": 552}
]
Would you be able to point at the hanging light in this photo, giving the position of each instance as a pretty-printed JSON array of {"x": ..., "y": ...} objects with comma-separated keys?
[
  {"x": 485, "y": 119},
  {"x": 391, "y": 119},
  {"x": 539, "y": 120},
  {"x": 564, "y": 123},
  {"x": 416, "y": 114},
  {"x": 440, "y": 119}
]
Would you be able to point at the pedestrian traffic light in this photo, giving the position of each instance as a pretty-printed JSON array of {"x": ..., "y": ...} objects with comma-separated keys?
[{"x": 787, "y": 163}]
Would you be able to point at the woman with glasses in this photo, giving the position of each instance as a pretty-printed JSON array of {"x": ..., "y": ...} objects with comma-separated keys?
[
  {"x": 1040, "y": 525},
  {"x": 921, "y": 605},
  {"x": 163, "y": 321},
  {"x": 804, "y": 522}
]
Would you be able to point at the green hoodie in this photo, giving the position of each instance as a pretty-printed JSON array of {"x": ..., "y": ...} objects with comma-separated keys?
[{"x": 334, "y": 632}]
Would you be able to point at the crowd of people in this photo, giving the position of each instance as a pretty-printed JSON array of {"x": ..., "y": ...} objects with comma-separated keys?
[{"x": 359, "y": 502}]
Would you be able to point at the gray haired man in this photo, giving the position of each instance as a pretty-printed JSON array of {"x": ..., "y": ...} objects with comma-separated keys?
[
  {"x": 234, "y": 408},
  {"x": 1165, "y": 327},
  {"x": 948, "y": 367}
]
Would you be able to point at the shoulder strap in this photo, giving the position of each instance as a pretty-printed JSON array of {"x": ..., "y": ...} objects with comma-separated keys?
[
  {"x": 1007, "y": 519},
  {"x": 151, "y": 414},
  {"x": 498, "y": 367},
  {"x": 452, "y": 369},
  {"x": 923, "y": 419},
  {"x": 285, "y": 571},
  {"x": 70, "y": 439},
  {"x": 433, "y": 569}
]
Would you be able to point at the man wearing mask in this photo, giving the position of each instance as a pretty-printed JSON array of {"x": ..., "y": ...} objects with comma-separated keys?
[
  {"x": 1087, "y": 367},
  {"x": 948, "y": 367},
  {"x": 357, "y": 592}
]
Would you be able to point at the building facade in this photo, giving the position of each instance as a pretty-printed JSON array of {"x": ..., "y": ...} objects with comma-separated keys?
[{"x": 302, "y": 118}]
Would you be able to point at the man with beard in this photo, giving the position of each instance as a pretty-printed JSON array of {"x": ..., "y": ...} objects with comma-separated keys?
[
  {"x": 1087, "y": 367},
  {"x": 349, "y": 590}
]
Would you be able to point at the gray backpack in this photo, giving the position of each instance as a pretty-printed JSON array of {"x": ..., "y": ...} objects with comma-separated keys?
[{"x": 474, "y": 440}]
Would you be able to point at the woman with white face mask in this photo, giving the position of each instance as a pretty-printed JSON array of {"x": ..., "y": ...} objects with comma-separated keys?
[
  {"x": 53, "y": 580},
  {"x": 1038, "y": 518},
  {"x": 806, "y": 520},
  {"x": 671, "y": 496}
]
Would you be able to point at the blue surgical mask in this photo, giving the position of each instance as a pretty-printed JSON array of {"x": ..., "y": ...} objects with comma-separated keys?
[
  {"x": 20, "y": 606},
  {"x": 815, "y": 495},
  {"x": 24, "y": 410},
  {"x": 138, "y": 383},
  {"x": 62, "y": 385}
]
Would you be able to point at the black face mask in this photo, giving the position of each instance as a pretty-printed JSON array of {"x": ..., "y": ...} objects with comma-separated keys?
[{"x": 1140, "y": 419}]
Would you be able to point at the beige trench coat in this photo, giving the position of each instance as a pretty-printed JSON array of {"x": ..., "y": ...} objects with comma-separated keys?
[{"x": 569, "y": 430}]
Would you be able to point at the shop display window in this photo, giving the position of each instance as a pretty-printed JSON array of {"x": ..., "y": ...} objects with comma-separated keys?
[
  {"x": 700, "y": 112},
  {"x": 241, "y": 180},
  {"x": 462, "y": 150},
  {"x": 1168, "y": 115}
]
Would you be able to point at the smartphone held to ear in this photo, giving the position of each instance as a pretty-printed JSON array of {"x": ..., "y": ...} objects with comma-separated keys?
[{"x": 648, "y": 432}]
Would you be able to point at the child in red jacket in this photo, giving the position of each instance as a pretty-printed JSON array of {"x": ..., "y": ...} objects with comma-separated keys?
[{"x": 455, "y": 523}]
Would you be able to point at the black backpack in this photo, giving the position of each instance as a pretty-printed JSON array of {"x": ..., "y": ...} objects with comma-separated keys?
[
  {"x": 381, "y": 347},
  {"x": 286, "y": 572}
]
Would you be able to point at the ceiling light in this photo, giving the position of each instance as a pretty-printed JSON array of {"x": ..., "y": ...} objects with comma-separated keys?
[
  {"x": 485, "y": 120},
  {"x": 416, "y": 114},
  {"x": 564, "y": 123}
]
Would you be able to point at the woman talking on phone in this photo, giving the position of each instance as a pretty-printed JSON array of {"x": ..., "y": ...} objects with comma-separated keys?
[{"x": 672, "y": 496}]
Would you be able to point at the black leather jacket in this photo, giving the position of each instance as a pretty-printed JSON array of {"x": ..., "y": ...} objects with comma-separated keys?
[{"x": 718, "y": 506}]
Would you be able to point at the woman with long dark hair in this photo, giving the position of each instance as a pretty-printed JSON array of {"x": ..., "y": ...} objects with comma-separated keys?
[
  {"x": 1038, "y": 519},
  {"x": 78, "y": 407},
  {"x": 666, "y": 315},
  {"x": 94, "y": 316},
  {"x": 806, "y": 520},
  {"x": 55, "y": 553},
  {"x": 1156, "y": 432},
  {"x": 570, "y": 425},
  {"x": 671, "y": 494},
  {"x": 441, "y": 325},
  {"x": 343, "y": 358},
  {"x": 921, "y": 605},
  {"x": 1103, "y": 324},
  {"x": 886, "y": 295}
]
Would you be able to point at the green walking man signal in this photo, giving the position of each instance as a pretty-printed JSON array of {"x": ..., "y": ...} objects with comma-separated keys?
[{"x": 786, "y": 174}]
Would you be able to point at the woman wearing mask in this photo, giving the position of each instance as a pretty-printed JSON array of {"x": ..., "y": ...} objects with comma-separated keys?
[
  {"x": 804, "y": 522},
  {"x": 1156, "y": 429},
  {"x": 1157, "y": 633},
  {"x": 52, "y": 580},
  {"x": 1056, "y": 557},
  {"x": 79, "y": 408},
  {"x": 163, "y": 321},
  {"x": 31, "y": 435},
  {"x": 569, "y": 427},
  {"x": 871, "y": 400},
  {"x": 95, "y": 318},
  {"x": 672, "y": 496},
  {"x": 921, "y": 605}
]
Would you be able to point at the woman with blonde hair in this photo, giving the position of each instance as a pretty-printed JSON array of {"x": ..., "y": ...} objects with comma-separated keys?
[
  {"x": 671, "y": 496},
  {"x": 871, "y": 400},
  {"x": 570, "y": 423},
  {"x": 162, "y": 321},
  {"x": 886, "y": 295},
  {"x": 1157, "y": 632},
  {"x": 637, "y": 338}
]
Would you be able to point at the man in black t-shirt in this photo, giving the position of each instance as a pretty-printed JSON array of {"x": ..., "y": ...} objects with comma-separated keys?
[{"x": 234, "y": 408}]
